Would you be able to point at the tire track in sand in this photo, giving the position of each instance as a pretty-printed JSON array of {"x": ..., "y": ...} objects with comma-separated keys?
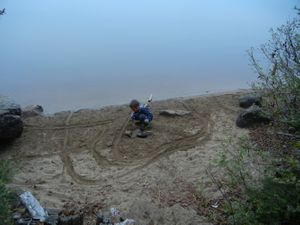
[
  {"x": 73, "y": 126},
  {"x": 101, "y": 161},
  {"x": 67, "y": 162}
]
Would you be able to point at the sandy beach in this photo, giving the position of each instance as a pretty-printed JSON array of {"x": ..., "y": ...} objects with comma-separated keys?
[{"x": 83, "y": 157}]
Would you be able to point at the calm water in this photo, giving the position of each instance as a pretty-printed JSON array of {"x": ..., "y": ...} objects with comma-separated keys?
[{"x": 88, "y": 53}]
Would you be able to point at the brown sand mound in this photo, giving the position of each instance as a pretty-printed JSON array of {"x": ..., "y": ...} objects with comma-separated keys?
[{"x": 85, "y": 157}]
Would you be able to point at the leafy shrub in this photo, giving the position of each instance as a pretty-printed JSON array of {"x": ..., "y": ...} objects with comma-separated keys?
[
  {"x": 276, "y": 202},
  {"x": 269, "y": 197},
  {"x": 293, "y": 121}
]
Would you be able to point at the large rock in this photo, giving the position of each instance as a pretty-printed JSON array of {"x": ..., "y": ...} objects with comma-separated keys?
[
  {"x": 8, "y": 106},
  {"x": 248, "y": 100},
  {"x": 251, "y": 116},
  {"x": 11, "y": 125},
  {"x": 32, "y": 110}
]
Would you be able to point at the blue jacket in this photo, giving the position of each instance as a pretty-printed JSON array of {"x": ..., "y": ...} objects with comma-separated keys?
[{"x": 143, "y": 114}]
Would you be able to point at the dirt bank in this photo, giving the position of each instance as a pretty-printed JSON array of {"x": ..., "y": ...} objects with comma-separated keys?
[{"x": 83, "y": 157}]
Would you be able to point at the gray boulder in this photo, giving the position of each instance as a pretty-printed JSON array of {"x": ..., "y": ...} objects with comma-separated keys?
[
  {"x": 248, "y": 100},
  {"x": 32, "y": 110},
  {"x": 8, "y": 106},
  {"x": 11, "y": 125},
  {"x": 251, "y": 116}
]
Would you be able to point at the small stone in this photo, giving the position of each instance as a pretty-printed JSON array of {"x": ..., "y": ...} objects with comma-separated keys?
[
  {"x": 141, "y": 134},
  {"x": 103, "y": 218},
  {"x": 128, "y": 133},
  {"x": 109, "y": 144},
  {"x": 53, "y": 216},
  {"x": 23, "y": 221},
  {"x": 173, "y": 113}
]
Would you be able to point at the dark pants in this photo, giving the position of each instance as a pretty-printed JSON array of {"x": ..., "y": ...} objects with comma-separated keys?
[
  {"x": 141, "y": 122},
  {"x": 142, "y": 125}
]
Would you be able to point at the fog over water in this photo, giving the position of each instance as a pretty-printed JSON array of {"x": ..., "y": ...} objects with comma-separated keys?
[{"x": 72, "y": 54}]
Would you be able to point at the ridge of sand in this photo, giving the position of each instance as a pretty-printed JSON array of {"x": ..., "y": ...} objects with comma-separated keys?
[{"x": 84, "y": 157}]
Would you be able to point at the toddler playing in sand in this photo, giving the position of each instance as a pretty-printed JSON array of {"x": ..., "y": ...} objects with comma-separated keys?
[{"x": 141, "y": 115}]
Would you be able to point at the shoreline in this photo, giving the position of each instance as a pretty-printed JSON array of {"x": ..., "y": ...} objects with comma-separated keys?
[{"x": 215, "y": 94}]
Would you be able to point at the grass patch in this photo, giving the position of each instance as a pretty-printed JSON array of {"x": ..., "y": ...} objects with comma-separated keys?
[{"x": 7, "y": 196}]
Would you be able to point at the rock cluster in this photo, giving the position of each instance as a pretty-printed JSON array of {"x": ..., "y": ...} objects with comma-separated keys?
[
  {"x": 253, "y": 114},
  {"x": 22, "y": 217},
  {"x": 113, "y": 218}
]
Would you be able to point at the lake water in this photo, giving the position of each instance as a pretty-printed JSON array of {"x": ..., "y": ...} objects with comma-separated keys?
[{"x": 72, "y": 54}]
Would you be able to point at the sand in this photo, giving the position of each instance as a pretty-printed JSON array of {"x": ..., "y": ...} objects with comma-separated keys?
[{"x": 84, "y": 157}]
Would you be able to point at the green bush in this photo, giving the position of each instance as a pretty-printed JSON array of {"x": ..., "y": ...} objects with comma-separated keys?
[
  {"x": 293, "y": 121},
  {"x": 258, "y": 196},
  {"x": 276, "y": 202}
]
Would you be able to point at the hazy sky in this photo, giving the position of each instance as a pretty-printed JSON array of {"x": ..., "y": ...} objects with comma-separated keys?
[{"x": 74, "y": 53}]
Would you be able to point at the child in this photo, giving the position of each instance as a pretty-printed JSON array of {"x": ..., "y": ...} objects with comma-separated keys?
[{"x": 141, "y": 115}]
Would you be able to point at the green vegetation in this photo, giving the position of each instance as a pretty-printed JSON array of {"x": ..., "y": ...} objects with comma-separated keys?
[
  {"x": 6, "y": 195},
  {"x": 259, "y": 187},
  {"x": 260, "y": 191},
  {"x": 279, "y": 78}
]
